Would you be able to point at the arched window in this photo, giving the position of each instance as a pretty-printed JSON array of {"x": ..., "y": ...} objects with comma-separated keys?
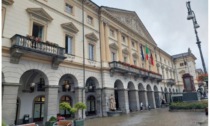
[
  {"x": 91, "y": 105},
  {"x": 39, "y": 108},
  {"x": 68, "y": 99},
  {"x": 90, "y": 85}
]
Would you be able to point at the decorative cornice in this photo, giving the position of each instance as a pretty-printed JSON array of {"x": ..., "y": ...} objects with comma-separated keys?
[
  {"x": 40, "y": 13},
  {"x": 92, "y": 36},
  {"x": 70, "y": 27}
]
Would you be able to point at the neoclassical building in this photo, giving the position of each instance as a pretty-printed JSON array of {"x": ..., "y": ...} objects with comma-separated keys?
[{"x": 77, "y": 51}]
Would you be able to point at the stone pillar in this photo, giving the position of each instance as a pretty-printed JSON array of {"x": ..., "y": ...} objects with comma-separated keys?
[
  {"x": 9, "y": 101},
  {"x": 153, "y": 100},
  {"x": 120, "y": 45},
  {"x": 51, "y": 98},
  {"x": 133, "y": 100},
  {"x": 106, "y": 92},
  {"x": 143, "y": 98},
  {"x": 98, "y": 102},
  {"x": 80, "y": 97},
  {"x": 123, "y": 100}
]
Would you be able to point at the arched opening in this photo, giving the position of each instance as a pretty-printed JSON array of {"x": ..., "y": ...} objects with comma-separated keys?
[
  {"x": 157, "y": 99},
  {"x": 132, "y": 97},
  {"x": 38, "y": 111},
  {"x": 176, "y": 90},
  {"x": 142, "y": 95},
  {"x": 170, "y": 93},
  {"x": 68, "y": 99},
  {"x": 92, "y": 93},
  {"x": 33, "y": 83},
  {"x": 91, "y": 105},
  {"x": 118, "y": 93},
  {"x": 150, "y": 96}
]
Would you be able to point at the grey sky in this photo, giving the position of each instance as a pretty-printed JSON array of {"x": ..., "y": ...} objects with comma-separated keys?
[{"x": 166, "y": 21}]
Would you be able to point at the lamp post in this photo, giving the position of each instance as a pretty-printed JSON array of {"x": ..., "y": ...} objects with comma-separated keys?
[{"x": 191, "y": 15}]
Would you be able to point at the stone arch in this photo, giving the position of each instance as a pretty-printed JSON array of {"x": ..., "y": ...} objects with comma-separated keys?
[
  {"x": 132, "y": 99},
  {"x": 173, "y": 90},
  {"x": 120, "y": 96},
  {"x": 67, "y": 79},
  {"x": 91, "y": 93},
  {"x": 118, "y": 84},
  {"x": 150, "y": 97},
  {"x": 142, "y": 94},
  {"x": 12, "y": 76},
  {"x": 140, "y": 86},
  {"x": 157, "y": 97}
]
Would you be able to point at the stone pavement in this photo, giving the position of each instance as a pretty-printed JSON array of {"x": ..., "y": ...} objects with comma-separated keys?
[{"x": 157, "y": 117}]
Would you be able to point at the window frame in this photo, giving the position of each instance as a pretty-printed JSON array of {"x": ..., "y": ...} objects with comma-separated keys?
[
  {"x": 93, "y": 50},
  {"x": 90, "y": 22},
  {"x": 112, "y": 32},
  {"x": 70, "y": 5}
]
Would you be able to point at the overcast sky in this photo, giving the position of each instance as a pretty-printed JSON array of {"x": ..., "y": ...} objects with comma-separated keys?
[{"x": 166, "y": 21}]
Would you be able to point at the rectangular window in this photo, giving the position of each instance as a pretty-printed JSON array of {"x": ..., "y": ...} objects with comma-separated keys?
[
  {"x": 37, "y": 30},
  {"x": 181, "y": 64},
  {"x": 113, "y": 56},
  {"x": 123, "y": 39},
  {"x": 112, "y": 32},
  {"x": 133, "y": 44},
  {"x": 91, "y": 51},
  {"x": 89, "y": 20},
  {"x": 125, "y": 59},
  {"x": 69, "y": 45},
  {"x": 69, "y": 8},
  {"x": 134, "y": 62}
]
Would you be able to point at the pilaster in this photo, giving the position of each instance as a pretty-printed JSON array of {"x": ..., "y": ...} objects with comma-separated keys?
[
  {"x": 9, "y": 101},
  {"x": 120, "y": 45}
]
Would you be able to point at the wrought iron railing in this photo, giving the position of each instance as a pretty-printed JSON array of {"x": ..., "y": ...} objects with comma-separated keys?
[
  {"x": 170, "y": 81},
  {"x": 22, "y": 42},
  {"x": 127, "y": 68}
]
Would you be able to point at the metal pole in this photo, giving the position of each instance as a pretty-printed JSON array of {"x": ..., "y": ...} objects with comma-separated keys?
[
  {"x": 196, "y": 33},
  {"x": 83, "y": 34}
]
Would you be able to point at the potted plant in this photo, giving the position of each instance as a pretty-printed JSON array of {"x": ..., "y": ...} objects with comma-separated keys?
[
  {"x": 51, "y": 121},
  {"x": 78, "y": 106}
]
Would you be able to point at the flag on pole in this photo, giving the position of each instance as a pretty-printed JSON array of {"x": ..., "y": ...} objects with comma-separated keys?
[
  {"x": 147, "y": 53},
  {"x": 142, "y": 53},
  {"x": 152, "y": 61}
]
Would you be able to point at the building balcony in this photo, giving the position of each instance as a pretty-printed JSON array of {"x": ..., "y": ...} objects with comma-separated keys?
[
  {"x": 170, "y": 82},
  {"x": 127, "y": 69},
  {"x": 21, "y": 45}
]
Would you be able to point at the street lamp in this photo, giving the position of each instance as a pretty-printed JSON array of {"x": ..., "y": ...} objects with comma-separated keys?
[{"x": 191, "y": 16}]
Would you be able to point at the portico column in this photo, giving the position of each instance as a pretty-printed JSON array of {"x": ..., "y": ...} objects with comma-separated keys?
[
  {"x": 51, "y": 98},
  {"x": 106, "y": 103},
  {"x": 80, "y": 97},
  {"x": 137, "y": 100},
  {"x": 153, "y": 100},
  {"x": 98, "y": 102},
  {"x": 123, "y": 100},
  {"x": 133, "y": 100},
  {"x": 9, "y": 101},
  {"x": 143, "y": 98}
]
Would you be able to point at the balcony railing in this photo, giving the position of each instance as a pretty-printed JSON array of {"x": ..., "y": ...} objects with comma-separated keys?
[
  {"x": 125, "y": 68},
  {"x": 170, "y": 81},
  {"x": 21, "y": 44}
]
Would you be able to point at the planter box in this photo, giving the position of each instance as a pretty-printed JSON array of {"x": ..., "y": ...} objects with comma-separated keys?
[{"x": 79, "y": 122}]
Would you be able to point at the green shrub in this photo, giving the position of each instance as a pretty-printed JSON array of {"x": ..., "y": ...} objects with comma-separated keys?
[
  {"x": 52, "y": 119},
  {"x": 3, "y": 123},
  {"x": 189, "y": 105}
]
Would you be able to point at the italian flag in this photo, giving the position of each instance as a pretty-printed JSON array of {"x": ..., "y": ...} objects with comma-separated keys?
[{"x": 147, "y": 53}]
